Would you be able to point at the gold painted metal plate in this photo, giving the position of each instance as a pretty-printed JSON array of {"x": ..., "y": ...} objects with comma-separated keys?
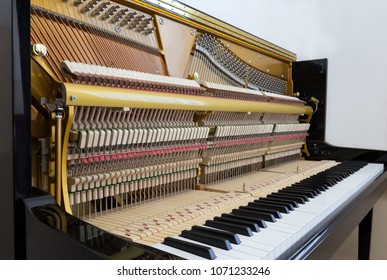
[
  {"x": 87, "y": 95},
  {"x": 68, "y": 10},
  {"x": 263, "y": 62},
  {"x": 201, "y": 21},
  {"x": 43, "y": 83}
]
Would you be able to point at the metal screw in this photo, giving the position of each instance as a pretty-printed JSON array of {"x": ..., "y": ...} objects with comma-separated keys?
[
  {"x": 73, "y": 97},
  {"x": 117, "y": 28},
  {"x": 161, "y": 21},
  {"x": 192, "y": 32},
  {"x": 39, "y": 50},
  {"x": 196, "y": 76}
]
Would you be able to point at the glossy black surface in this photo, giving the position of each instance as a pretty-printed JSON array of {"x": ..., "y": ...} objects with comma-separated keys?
[
  {"x": 15, "y": 124},
  {"x": 54, "y": 234},
  {"x": 21, "y": 119},
  {"x": 310, "y": 80},
  {"x": 6, "y": 127},
  {"x": 364, "y": 242}
]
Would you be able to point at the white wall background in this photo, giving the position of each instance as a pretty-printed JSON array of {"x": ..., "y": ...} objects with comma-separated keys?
[{"x": 351, "y": 34}]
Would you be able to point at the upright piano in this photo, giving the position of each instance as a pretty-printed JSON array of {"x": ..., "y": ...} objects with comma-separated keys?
[{"x": 150, "y": 130}]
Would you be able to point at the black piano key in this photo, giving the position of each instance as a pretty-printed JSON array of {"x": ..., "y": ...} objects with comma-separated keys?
[
  {"x": 196, "y": 249},
  {"x": 288, "y": 196},
  {"x": 230, "y": 227},
  {"x": 259, "y": 209},
  {"x": 207, "y": 239},
  {"x": 314, "y": 191},
  {"x": 314, "y": 186},
  {"x": 288, "y": 205},
  {"x": 265, "y": 204},
  {"x": 326, "y": 177},
  {"x": 294, "y": 191},
  {"x": 253, "y": 226},
  {"x": 232, "y": 237},
  {"x": 290, "y": 202},
  {"x": 253, "y": 214},
  {"x": 300, "y": 195},
  {"x": 331, "y": 174},
  {"x": 319, "y": 178},
  {"x": 320, "y": 181},
  {"x": 337, "y": 174},
  {"x": 323, "y": 180},
  {"x": 261, "y": 223}
]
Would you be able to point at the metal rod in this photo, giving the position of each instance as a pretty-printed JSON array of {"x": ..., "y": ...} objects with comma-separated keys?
[{"x": 58, "y": 154}]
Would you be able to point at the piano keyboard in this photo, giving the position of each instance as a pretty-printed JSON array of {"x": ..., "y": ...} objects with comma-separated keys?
[
  {"x": 150, "y": 225},
  {"x": 271, "y": 227}
]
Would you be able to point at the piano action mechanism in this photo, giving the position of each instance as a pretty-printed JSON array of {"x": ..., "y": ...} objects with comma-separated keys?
[{"x": 163, "y": 125}]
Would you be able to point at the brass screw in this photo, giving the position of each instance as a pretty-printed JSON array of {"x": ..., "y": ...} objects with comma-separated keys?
[{"x": 39, "y": 50}]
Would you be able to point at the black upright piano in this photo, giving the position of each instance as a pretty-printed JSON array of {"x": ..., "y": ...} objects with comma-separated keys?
[{"x": 34, "y": 226}]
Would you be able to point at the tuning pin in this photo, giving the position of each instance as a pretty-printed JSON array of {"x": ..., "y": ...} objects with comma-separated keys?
[
  {"x": 110, "y": 12},
  {"x": 99, "y": 10},
  {"x": 77, "y": 2}
]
